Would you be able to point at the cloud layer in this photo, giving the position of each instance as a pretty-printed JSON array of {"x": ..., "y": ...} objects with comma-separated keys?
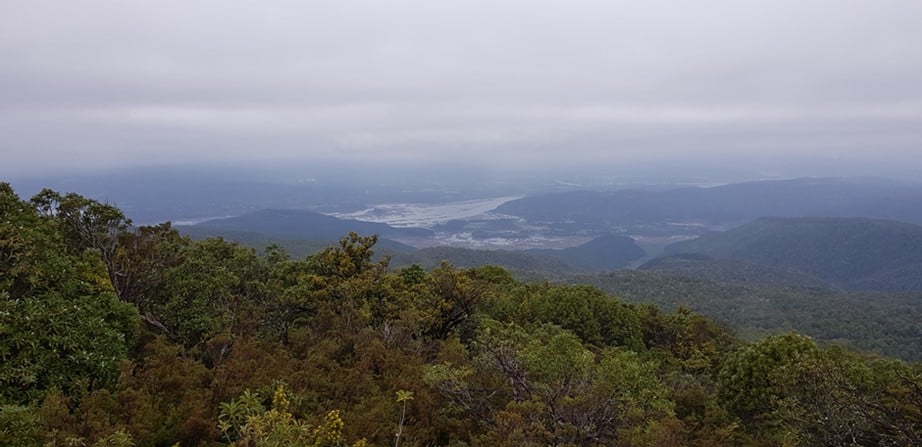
[{"x": 108, "y": 83}]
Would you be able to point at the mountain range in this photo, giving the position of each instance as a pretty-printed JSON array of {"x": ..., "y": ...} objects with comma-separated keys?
[
  {"x": 721, "y": 206},
  {"x": 305, "y": 225}
]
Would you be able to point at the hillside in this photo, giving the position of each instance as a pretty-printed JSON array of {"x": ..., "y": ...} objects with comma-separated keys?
[
  {"x": 296, "y": 248},
  {"x": 885, "y": 323},
  {"x": 859, "y": 254},
  {"x": 732, "y": 271},
  {"x": 604, "y": 253},
  {"x": 304, "y": 225}
]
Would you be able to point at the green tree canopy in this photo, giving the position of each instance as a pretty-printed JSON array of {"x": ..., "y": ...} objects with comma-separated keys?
[{"x": 61, "y": 324}]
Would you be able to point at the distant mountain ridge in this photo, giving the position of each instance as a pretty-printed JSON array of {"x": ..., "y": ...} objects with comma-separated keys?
[
  {"x": 295, "y": 228},
  {"x": 733, "y": 203},
  {"x": 854, "y": 253},
  {"x": 306, "y": 225}
]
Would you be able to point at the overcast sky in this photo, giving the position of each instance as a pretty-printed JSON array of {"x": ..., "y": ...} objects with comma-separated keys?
[{"x": 110, "y": 83}]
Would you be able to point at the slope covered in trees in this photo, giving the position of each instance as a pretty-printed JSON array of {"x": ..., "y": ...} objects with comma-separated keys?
[
  {"x": 604, "y": 253},
  {"x": 733, "y": 271},
  {"x": 211, "y": 344},
  {"x": 852, "y": 253},
  {"x": 304, "y": 225},
  {"x": 883, "y": 323}
]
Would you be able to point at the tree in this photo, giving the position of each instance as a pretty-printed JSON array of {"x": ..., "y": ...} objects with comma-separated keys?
[
  {"x": 85, "y": 224},
  {"x": 587, "y": 312},
  {"x": 61, "y": 324},
  {"x": 543, "y": 387},
  {"x": 215, "y": 288},
  {"x": 353, "y": 256},
  {"x": 749, "y": 382},
  {"x": 253, "y": 425},
  {"x": 840, "y": 398},
  {"x": 143, "y": 259},
  {"x": 449, "y": 300}
]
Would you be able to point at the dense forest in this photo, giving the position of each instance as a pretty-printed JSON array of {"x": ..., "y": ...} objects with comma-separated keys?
[
  {"x": 888, "y": 324},
  {"x": 116, "y": 335},
  {"x": 852, "y": 253}
]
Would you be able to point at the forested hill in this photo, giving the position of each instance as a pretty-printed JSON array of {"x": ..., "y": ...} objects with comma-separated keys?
[
  {"x": 884, "y": 323},
  {"x": 604, "y": 253},
  {"x": 733, "y": 271},
  {"x": 305, "y": 225},
  {"x": 115, "y": 335},
  {"x": 861, "y": 254},
  {"x": 733, "y": 203}
]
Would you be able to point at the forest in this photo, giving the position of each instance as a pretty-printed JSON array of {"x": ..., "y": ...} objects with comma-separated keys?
[{"x": 120, "y": 335}]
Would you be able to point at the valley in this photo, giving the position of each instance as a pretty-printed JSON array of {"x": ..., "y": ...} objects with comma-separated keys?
[{"x": 706, "y": 249}]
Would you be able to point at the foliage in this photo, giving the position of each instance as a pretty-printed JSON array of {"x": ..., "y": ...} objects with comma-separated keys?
[
  {"x": 403, "y": 397},
  {"x": 838, "y": 398},
  {"x": 749, "y": 382},
  {"x": 19, "y": 426},
  {"x": 247, "y": 423},
  {"x": 849, "y": 252},
  {"x": 887, "y": 324},
  {"x": 587, "y": 312},
  {"x": 61, "y": 325},
  {"x": 544, "y": 387},
  {"x": 211, "y": 291},
  {"x": 242, "y": 349}
]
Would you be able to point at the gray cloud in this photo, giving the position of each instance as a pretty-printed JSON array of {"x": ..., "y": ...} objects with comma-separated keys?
[{"x": 107, "y": 83}]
